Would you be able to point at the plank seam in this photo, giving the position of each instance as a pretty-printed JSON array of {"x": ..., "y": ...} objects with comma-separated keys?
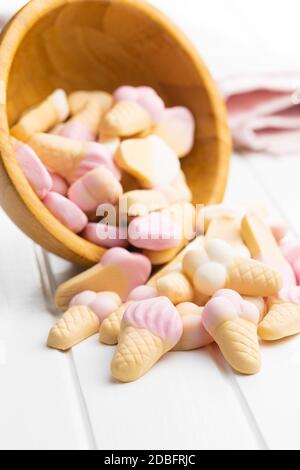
[{"x": 49, "y": 287}]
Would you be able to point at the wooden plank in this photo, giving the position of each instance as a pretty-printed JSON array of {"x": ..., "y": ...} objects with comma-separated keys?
[
  {"x": 273, "y": 395},
  {"x": 39, "y": 406}
]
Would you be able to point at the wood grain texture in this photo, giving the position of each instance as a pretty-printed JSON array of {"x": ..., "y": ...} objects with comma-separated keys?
[{"x": 102, "y": 44}]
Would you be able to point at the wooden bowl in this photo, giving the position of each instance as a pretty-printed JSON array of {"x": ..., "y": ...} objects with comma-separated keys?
[{"x": 102, "y": 44}]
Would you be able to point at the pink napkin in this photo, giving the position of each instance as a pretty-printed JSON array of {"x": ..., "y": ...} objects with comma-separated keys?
[{"x": 264, "y": 111}]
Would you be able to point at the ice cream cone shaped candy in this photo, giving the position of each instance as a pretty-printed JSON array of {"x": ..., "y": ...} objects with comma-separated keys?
[
  {"x": 260, "y": 303},
  {"x": 119, "y": 271},
  {"x": 175, "y": 265},
  {"x": 149, "y": 330},
  {"x": 263, "y": 247},
  {"x": 177, "y": 128},
  {"x": 215, "y": 266},
  {"x": 140, "y": 202},
  {"x": 77, "y": 324},
  {"x": 184, "y": 216},
  {"x": 144, "y": 96},
  {"x": 150, "y": 160},
  {"x": 283, "y": 317},
  {"x": 232, "y": 322},
  {"x": 209, "y": 213},
  {"x": 110, "y": 328},
  {"x": 34, "y": 170},
  {"x": 96, "y": 187},
  {"x": 71, "y": 159},
  {"x": 194, "y": 335},
  {"x": 49, "y": 113},
  {"x": 177, "y": 190},
  {"x": 142, "y": 293},
  {"x": 125, "y": 119},
  {"x": 82, "y": 320},
  {"x": 176, "y": 287},
  {"x": 228, "y": 229},
  {"x": 85, "y": 124}
]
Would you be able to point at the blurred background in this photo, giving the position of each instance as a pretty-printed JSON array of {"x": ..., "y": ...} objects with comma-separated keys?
[{"x": 233, "y": 36}]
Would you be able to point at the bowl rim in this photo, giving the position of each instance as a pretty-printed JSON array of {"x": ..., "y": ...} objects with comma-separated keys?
[{"x": 10, "y": 40}]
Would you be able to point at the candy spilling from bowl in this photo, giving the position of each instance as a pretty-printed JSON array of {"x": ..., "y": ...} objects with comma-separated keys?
[
  {"x": 234, "y": 285},
  {"x": 108, "y": 168}
]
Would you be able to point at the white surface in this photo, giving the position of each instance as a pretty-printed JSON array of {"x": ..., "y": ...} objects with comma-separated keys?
[
  {"x": 51, "y": 400},
  {"x": 189, "y": 400}
]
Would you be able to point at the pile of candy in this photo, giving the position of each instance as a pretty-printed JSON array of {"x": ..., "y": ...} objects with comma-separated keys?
[
  {"x": 88, "y": 150},
  {"x": 232, "y": 285}
]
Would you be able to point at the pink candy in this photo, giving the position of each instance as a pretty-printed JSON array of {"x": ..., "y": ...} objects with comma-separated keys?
[
  {"x": 34, "y": 170},
  {"x": 96, "y": 187},
  {"x": 75, "y": 130},
  {"x": 137, "y": 267},
  {"x": 291, "y": 252},
  {"x": 60, "y": 185},
  {"x": 102, "y": 303},
  {"x": 155, "y": 231},
  {"x": 157, "y": 315},
  {"x": 107, "y": 236},
  {"x": 142, "y": 293},
  {"x": 97, "y": 155},
  {"x": 177, "y": 127},
  {"x": 145, "y": 97},
  {"x": 66, "y": 212}
]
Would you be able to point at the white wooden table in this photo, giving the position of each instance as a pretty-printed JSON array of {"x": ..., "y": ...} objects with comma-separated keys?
[{"x": 192, "y": 400}]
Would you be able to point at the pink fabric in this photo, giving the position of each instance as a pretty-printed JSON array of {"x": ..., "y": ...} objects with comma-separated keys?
[{"x": 264, "y": 112}]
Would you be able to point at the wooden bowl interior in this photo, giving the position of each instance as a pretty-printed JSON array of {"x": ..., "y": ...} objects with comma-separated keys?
[{"x": 92, "y": 45}]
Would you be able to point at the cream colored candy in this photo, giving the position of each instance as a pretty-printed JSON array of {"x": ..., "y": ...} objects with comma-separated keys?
[
  {"x": 184, "y": 216},
  {"x": 149, "y": 329},
  {"x": 215, "y": 266},
  {"x": 175, "y": 265},
  {"x": 283, "y": 317},
  {"x": 119, "y": 271},
  {"x": 232, "y": 322},
  {"x": 176, "y": 287},
  {"x": 110, "y": 143},
  {"x": 177, "y": 190},
  {"x": 263, "y": 247},
  {"x": 149, "y": 160},
  {"x": 228, "y": 229},
  {"x": 87, "y": 311},
  {"x": 177, "y": 128},
  {"x": 140, "y": 202},
  {"x": 125, "y": 119},
  {"x": 77, "y": 324},
  {"x": 194, "y": 334},
  {"x": 209, "y": 213},
  {"x": 96, "y": 187},
  {"x": 69, "y": 158},
  {"x": 43, "y": 117},
  {"x": 110, "y": 328},
  {"x": 86, "y": 122},
  {"x": 260, "y": 303},
  {"x": 78, "y": 100}
]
